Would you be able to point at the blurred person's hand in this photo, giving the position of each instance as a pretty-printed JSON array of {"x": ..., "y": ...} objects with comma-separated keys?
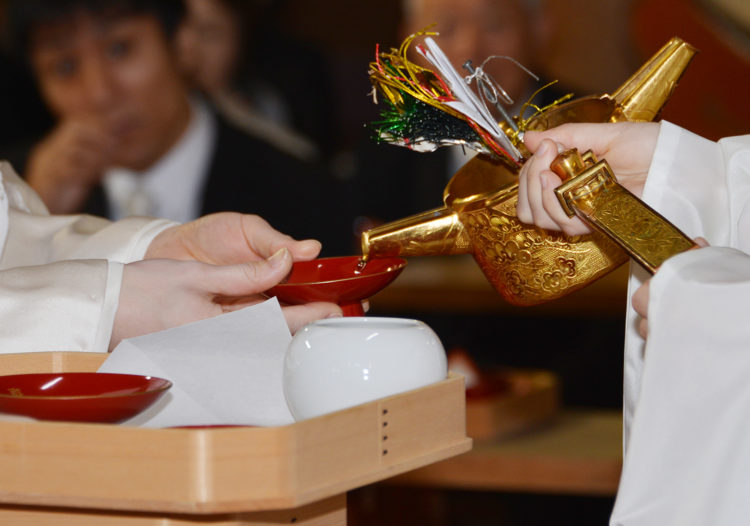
[
  {"x": 628, "y": 147},
  {"x": 65, "y": 166},
  {"x": 228, "y": 238},
  {"x": 160, "y": 294}
]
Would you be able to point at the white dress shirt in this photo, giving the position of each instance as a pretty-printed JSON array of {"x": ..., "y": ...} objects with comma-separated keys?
[{"x": 172, "y": 188}]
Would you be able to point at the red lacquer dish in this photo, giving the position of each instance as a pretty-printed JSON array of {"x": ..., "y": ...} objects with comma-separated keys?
[
  {"x": 342, "y": 280},
  {"x": 79, "y": 397}
]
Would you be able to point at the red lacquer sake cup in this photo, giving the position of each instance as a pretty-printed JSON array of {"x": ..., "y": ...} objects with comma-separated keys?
[
  {"x": 79, "y": 397},
  {"x": 341, "y": 280}
]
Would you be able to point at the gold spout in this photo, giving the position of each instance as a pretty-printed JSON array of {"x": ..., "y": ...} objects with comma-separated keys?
[
  {"x": 643, "y": 95},
  {"x": 430, "y": 233},
  {"x": 640, "y": 98}
]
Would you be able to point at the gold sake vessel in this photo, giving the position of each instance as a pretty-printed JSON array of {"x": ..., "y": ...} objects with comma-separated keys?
[{"x": 528, "y": 265}]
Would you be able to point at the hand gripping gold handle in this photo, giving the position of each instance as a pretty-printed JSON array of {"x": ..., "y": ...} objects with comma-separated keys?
[{"x": 591, "y": 192}]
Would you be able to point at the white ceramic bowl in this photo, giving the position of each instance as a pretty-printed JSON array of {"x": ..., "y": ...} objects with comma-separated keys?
[{"x": 342, "y": 362}]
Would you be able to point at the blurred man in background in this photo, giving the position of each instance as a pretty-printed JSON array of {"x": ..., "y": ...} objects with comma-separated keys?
[
  {"x": 130, "y": 139},
  {"x": 478, "y": 29}
]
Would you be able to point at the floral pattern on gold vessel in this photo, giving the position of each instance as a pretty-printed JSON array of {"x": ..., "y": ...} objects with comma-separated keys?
[{"x": 528, "y": 265}]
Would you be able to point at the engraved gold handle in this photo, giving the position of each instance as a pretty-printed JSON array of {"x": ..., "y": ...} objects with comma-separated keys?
[{"x": 591, "y": 192}]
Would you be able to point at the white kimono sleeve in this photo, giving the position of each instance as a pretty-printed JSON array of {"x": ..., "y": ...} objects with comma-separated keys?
[
  {"x": 63, "y": 306},
  {"x": 60, "y": 276},
  {"x": 688, "y": 460},
  {"x": 35, "y": 237},
  {"x": 703, "y": 187}
]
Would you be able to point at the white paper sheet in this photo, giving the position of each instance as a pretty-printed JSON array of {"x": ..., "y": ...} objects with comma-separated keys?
[{"x": 224, "y": 370}]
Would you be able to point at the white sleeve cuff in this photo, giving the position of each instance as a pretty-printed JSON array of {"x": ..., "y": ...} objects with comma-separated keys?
[
  {"x": 62, "y": 306},
  {"x": 110, "y": 303},
  {"x": 686, "y": 183}
]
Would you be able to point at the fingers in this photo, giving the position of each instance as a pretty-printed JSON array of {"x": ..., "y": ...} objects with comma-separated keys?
[
  {"x": 244, "y": 279},
  {"x": 86, "y": 147},
  {"x": 305, "y": 249},
  {"x": 228, "y": 238},
  {"x": 266, "y": 240},
  {"x": 640, "y": 305},
  {"x": 701, "y": 242},
  {"x": 554, "y": 210},
  {"x": 540, "y": 180},
  {"x": 79, "y": 165},
  {"x": 537, "y": 201},
  {"x": 297, "y": 316},
  {"x": 530, "y": 208},
  {"x": 159, "y": 294},
  {"x": 641, "y": 298},
  {"x": 571, "y": 136},
  {"x": 529, "y": 184},
  {"x": 643, "y": 327},
  {"x": 627, "y": 146},
  {"x": 64, "y": 166},
  {"x": 523, "y": 210},
  {"x": 583, "y": 136}
]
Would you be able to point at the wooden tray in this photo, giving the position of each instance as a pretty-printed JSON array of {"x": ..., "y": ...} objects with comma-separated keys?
[
  {"x": 532, "y": 398},
  {"x": 222, "y": 470}
]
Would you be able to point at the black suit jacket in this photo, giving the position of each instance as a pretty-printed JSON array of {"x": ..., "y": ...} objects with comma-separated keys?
[{"x": 249, "y": 175}]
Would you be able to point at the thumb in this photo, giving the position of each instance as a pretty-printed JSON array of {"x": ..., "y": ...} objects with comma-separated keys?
[
  {"x": 305, "y": 249},
  {"x": 532, "y": 140},
  {"x": 701, "y": 242},
  {"x": 297, "y": 316},
  {"x": 248, "y": 278}
]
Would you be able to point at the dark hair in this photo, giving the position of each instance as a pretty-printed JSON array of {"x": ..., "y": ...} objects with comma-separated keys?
[{"x": 22, "y": 16}]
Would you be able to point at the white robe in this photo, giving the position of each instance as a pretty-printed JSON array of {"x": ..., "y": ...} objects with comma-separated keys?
[
  {"x": 687, "y": 394},
  {"x": 60, "y": 276}
]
